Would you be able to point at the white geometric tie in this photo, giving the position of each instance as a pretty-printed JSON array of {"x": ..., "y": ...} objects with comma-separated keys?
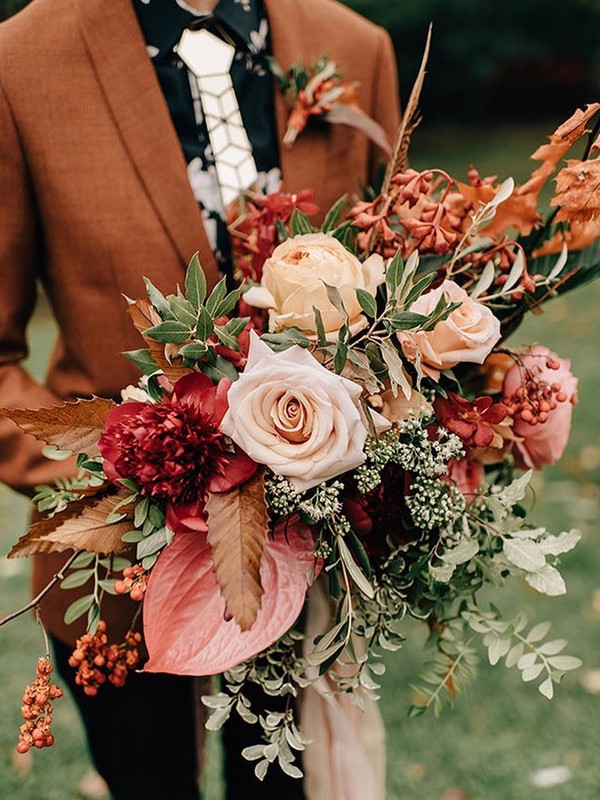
[{"x": 209, "y": 59}]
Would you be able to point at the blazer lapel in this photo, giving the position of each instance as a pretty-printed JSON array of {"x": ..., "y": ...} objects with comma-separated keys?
[
  {"x": 118, "y": 52},
  {"x": 303, "y": 166}
]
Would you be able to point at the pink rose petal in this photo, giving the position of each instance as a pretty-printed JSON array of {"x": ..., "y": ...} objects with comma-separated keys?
[{"x": 184, "y": 612}]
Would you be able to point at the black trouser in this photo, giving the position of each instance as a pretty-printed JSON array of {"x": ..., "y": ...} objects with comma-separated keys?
[{"x": 142, "y": 739}]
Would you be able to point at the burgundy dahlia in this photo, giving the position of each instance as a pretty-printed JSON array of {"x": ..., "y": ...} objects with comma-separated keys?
[
  {"x": 380, "y": 513},
  {"x": 174, "y": 451}
]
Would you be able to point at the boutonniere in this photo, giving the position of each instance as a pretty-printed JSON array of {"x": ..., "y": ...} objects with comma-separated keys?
[{"x": 319, "y": 91}]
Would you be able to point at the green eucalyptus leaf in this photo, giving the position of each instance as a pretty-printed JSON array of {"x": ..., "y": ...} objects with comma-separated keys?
[
  {"x": 195, "y": 283},
  {"x": 394, "y": 273},
  {"x": 367, "y": 302},
  {"x": 321, "y": 335},
  {"x": 406, "y": 320},
  {"x": 108, "y": 584},
  {"x": 183, "y": 311},
  {"x": 300, "y": 224},
  {"x": 76, "y": 578},
  {"x": 335, "y": 298},
  {"x": 143, "y": 361},
  {"x": 219, "y": 370},
  {"x": 84, "y": 559},
  {"x": 341, "y": 356},
  {"x": 93, "y": 618},
  {"x": 205, "y": 327},
  {"x": 194, "y": 351},
  {"x": 235, "y": 326},
  {"x": 226, "y": 339},
  {"x": 158, "y": 300},
  {"x": 217, "y": 296},
  {"x": 419, "y": 288},
  {"x": 172, "y": 332},
  {"x": 286, "y": 339},
  {"x": 334, "y": 214},
  {"x": 78, "y": 608},
  {"x": 228, "y": 303},
  {"x": 132, "y": 537}
]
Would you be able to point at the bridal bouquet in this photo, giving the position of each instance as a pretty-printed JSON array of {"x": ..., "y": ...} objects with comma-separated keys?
[{"x": 349, "y": 425}]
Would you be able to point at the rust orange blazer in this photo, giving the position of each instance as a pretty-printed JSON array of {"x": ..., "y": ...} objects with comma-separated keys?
[{"x": 94, "y": 193}]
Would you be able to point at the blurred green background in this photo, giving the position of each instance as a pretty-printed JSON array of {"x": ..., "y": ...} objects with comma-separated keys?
[{"x": 502, "y": 76}]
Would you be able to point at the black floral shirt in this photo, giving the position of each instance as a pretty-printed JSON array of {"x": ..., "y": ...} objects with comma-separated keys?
[{"x": 245, "y": 21}]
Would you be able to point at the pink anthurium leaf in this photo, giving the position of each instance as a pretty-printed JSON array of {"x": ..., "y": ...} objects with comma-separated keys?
[{"x": 185, "y": 624}]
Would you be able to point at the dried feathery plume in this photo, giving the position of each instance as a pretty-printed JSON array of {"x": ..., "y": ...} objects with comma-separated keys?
[{"x": 410, "y": 120}]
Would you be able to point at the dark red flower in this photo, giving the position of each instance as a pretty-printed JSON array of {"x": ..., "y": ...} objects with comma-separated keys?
[
  {"x": 471, "y": 421},
  {"x": 174, "y": 451},
  {"x": 255, "y": 227},
  {"x": 380, "y": 513}
]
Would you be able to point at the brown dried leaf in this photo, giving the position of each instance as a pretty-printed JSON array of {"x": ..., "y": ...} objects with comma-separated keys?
[
  {"x": 578, "y": 192},
  {"x": 81, "y": 526},
  {"x": 238, "y": 530},
  {"x": 144, "y": 316},
  {"x": 71, "y": 426}
]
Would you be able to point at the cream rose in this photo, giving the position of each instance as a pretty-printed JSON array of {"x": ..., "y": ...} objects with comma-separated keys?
[
  {"x": 301, "y": 420},
  {"x": 292, "y": 283},
  {"x": 469, "y": 334}
]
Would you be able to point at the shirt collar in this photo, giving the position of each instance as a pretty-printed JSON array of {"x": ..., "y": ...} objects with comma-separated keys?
[{"x": 163, "y": 21}]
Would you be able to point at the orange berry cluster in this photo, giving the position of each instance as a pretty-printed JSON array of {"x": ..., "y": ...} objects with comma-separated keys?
[
  {"x": 37, "y": 709},
  {"x": 533, "y": 401},
  {"x": 135, "y": 581},
  {"x": 97, "y": 661}
]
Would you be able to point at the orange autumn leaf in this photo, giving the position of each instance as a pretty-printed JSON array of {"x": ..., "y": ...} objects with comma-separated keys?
[
  {"x": 520, "y": 210},
  {"x": 238, "y": 529},
  {"x": 81, "y": 526},
  {"x": 74, "y": 427},
  {"x": 579, "y": 236},
  {"x": 144, "y": 316},
  {"x": 578, "y": 192},
  {"x": 561, "y": 141}
]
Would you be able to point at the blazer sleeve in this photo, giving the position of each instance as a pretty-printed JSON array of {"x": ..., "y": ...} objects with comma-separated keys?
[
  {"x": 22, "y": 465},
  {"x": 386, "y": 95}
]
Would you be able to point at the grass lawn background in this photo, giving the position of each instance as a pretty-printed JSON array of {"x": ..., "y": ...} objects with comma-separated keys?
[{"x": 501, "y": 731}]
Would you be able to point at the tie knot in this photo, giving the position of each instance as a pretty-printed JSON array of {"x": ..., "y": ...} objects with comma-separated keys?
[{"x": 205, "y": 54}]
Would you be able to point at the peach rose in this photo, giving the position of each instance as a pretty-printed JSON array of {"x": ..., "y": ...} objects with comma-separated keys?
[
  {"x": 301, "y": 420},
  {"x": 544, "y": 431},
  {"x": 468, "y": 334},
  {"x": 292, "y": 283},
  {"x": 397, "y": 408}
]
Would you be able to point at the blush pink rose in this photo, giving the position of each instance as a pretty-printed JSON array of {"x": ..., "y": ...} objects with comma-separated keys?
[
  {"x": 468, "y": 334},
  {"x": 468, "y": 475},
  {"x": 543, "y": 434},
  {"x": 304, "y": 422}
]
